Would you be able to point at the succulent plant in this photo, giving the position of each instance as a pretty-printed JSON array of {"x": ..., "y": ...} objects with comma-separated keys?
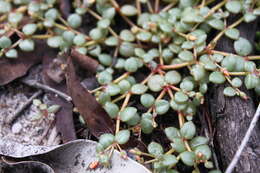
[{"x": 170, "y": 41}]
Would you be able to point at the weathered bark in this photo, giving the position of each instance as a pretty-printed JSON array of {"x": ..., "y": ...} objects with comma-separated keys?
[{"x": 233, "y": 116}]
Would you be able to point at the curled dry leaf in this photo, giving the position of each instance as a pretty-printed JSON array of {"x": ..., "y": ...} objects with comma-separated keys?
[
  {"x": 74, "y": 157},
  {"x": 94, "y": 115}
]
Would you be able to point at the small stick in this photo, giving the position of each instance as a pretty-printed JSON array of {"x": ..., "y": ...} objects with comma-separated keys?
[
  {"x": 25, "y": 105},
  {"x": 244, "y": 141},
  {"x": 47, "y": 88}
]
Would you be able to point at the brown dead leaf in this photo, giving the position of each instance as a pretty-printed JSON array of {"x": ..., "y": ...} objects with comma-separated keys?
[
  {"x": 84, "y": 61},
  {"x": 12, "y": 69},
  {"x": 94, "y": 115}
]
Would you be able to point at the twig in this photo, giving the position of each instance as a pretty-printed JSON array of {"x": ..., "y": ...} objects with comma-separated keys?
[
  {"x": 21, "y": 109},
  {"x": 35, "y": 84},
  {"x": 244, "y": 141}
]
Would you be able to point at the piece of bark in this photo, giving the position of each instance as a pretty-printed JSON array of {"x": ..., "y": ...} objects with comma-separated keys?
[
  {"x": 12, "y": 69},
  {"x": 65, "y": 8},
  {"x": 234, "y": 116},
  {"x": 94, "y": 115},
  {"x": 64, "y": 117}
]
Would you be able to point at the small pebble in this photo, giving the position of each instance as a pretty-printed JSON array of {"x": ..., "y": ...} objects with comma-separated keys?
[{"x": 16, "y": 128}]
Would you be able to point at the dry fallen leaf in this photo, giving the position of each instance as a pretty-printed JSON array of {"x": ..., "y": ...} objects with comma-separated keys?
[{"x": 94, "y": 115}]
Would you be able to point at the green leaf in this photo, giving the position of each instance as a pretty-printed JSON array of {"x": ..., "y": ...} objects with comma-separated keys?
[
  {"x": 236, "y": 82},
  {"x": 185, "y": 55},
  {"x": 161, "y": 106},
  {"x": 215, "y": 171},
  {"x": 128, "y": 10},
  {"x": 29, "y": 29},
  {"x": 232, "y": 33},
  {"x": 128, "y": 113},
  {"x": 234, "y": 6},
  {"x": 5, "y": 42},
  {"x": 188, "y": 158},
  {"x": 126, "y": 49},
  {"x": 178, "y": 145},
  {"x": 251, "y": 81},
  {"x": 139, "y": 89},
  {"x": 127, "y": 35},
  {"x": 188, "y": 130},
  {"x": 103, "y": 23},
  {"x": 134, "y": 121},
  {"x": 131, "y": 65},
  {"x": 249, "y": 17},
  {"x": 229, "y": 91},
  {"x": 105, "y": 59},
  {"x": 106, "y": 139},
  {"x": 198, "y": 72},
  {"x": 111, "y": 41},
  {"x": 209, "y": 164},
  {"x": 147, "y": 100},
  {"x": 156, "y": 83},
  {"x": 112, "y": 89},
  {"x": 172, "y": 77},
  {"x": 204, "y": 150},
  {"x": 12, "y": 53},
  {"x": 229, "y": 62},
  {"x": 243, "y": 47},
  {"x": 249, "y": 66},
  {"x": 74, "y": 20},
  {"x": 177, "y": 106},
  {"x": 180, "y": 97},
  {"x": 112, "y": 109},
  {"x": 169, "y": 160},
  {"x": 187, "y": 85},
  {"x": 155, "y": 149},
  {"x": 197, "y": 141},
  {"x": 172, "y": 133},
  {"x": 27, "y": 45},
  {"x": 147, "y": 123},
  {"x": 216, "y": 24},
  {"x": 144, "y": 36},
  {"x": 217, "y": 77},
  {"x": 122, "y": 136}
]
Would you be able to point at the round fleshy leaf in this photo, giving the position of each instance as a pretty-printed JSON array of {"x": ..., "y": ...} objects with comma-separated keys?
[
  {"x": 236, "y": 82},
  {"x": 172, "y": 133},
  {"x": 122, "y": 136},
  {"x": 188, "y": 158},
  {"x": 131, "y": 65},
  {"x": 53, "y": 109},
  {"x": 178, "y": 145},
  {"x": 134, "y": 121},
  {"x": 126, "y": 49},
  {"x": 139, "y": 89},
  {"x": 234, "y": 6},
  {"x": 12, "y": 53},
  {"x": 197, "y": 141},
  {"x": 105, "y": 59},
  {"x": 29, "y": 29},
  {"x": 128, "y": 113},
  {"x": 27, "y": 45},
  {"x": 103, "y": 23},
  {"x": 204, "y": 150},
  {"x": 147, "y": 123},
  {"x": 180, "y": 97},
  {"x": 127, "y": 35},
  {"x": 161, "y": 106},
  {"x": 217, "y": 77},
  {"x": 249, "y": 66},
  {"x": 156, "y": 83},
  {"x": 106, "y": 139},
  {"x": 249, "y": 17},
  {"x": 155, "y": 149},
  {"x": 229, "y": 91},
  {"x": 112, "y": 89},
  {"x": 232, "y": 33},
  {"x": 5, "y": 42},
  {"x": 74, "y": 20},
  {"x": 169, "y": 160},
  {"x": 172, "y": 77},
  {"x": 128, "y": 10},
  {"x": 112, "y": 109},
  {"x": 111, "y": 41},
  {"x": 185, "y": 55},
  {"x": 251, "y": 81},
  {"x": 147, "y": 100},
  {"x": 243, "y": 47},
  {"x": 144, "y": 36},
  {"x": 216, "y": 24},
  {"x": 188, "y": 130}
]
